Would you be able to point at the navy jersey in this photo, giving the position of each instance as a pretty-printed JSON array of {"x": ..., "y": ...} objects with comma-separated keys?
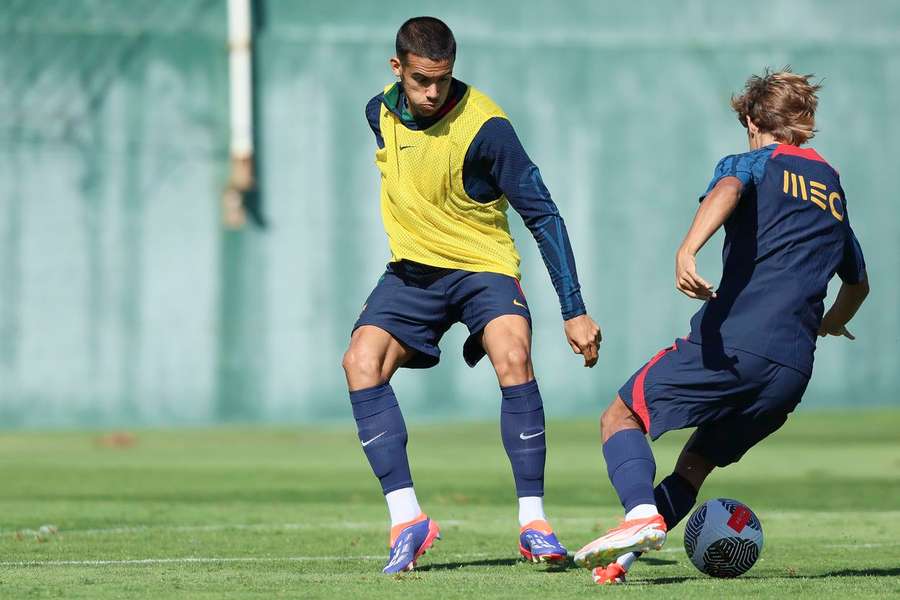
[{"x": 788, "y": 236}]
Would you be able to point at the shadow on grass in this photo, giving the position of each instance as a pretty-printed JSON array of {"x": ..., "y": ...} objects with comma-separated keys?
[
  {"x": 485, "y": 562},
  {"x": 657, "y": 561},
  {"x": 496, "y": 562},
  {"x": 664, "y": 580},
  {"x": 505, "y": 562},
  {"x": 892, "y": 572}
]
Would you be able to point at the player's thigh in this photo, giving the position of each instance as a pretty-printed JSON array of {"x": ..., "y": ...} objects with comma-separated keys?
[
  {"x": 374, "y": 352},
  {"x": 494, "y": 309},
  {"x": 689, "y": 385},
  {"x": 415, "y": 316},
  {"x": 782, "y": 393},
  {"x": 725, "y": 442}
]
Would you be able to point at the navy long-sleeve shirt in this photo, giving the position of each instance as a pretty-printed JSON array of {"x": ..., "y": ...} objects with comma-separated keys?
[{"x": 496, "y": 164}]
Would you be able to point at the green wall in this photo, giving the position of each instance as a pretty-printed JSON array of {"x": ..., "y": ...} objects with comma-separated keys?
[{"x": 123, "y": 301}]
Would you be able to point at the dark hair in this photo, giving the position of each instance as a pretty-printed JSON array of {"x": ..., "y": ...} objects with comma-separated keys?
[
  {"x": 427, "y": 37},
  {"x": 782, "y": 103}
]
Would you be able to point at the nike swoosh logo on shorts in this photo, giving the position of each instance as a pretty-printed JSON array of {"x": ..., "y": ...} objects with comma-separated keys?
[
  {"x": 517, "y": 303},
  {"x": 366, "y": 443},
  {"x": 522, "y": 435}
]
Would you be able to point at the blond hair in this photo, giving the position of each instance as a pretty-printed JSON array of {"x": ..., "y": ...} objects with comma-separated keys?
[{"x": 782, "y": 103}]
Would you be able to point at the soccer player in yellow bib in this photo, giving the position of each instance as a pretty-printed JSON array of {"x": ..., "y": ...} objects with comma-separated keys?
[{"x": 450, "y": 165}]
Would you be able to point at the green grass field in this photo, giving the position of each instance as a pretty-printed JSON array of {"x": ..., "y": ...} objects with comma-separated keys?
[{"x": 262, "y": 513}]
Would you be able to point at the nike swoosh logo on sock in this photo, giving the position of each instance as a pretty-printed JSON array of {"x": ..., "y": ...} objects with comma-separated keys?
[
  {"x": 522, "y": 435},
  {"x": 366, "y": 443}
]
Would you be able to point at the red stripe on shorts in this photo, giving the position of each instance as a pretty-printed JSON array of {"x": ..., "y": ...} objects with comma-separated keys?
[
  {"x": 638, "y": 402},
  {"x": 521, "y": 291}
]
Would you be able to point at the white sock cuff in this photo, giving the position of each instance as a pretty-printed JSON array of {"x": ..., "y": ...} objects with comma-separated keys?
[
  {"x": 402, "y": 505},
  {"x": 641, "y": 511},
  {"x": 626, "y": 560},
  {"x": 531, "y": 508}
]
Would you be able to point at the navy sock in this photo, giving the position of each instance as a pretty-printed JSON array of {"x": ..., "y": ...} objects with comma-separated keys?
[
  {"x": 382, "y": 432},
  {"x": 522, "y": 429},
  {"x": 675, "y": 498},
  {"x": 631, "y": 468}
]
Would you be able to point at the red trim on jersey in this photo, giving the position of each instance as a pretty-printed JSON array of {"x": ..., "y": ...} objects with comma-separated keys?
[
  {"x": 638, "y": 402},
  {"x": 807, "y": 153}
]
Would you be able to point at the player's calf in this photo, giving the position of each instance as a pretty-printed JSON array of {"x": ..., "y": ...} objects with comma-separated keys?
[
  {"x": 631, "y": 469},
  {"x": 382, "y": 434},
  {"x": 524, "y": 439}
]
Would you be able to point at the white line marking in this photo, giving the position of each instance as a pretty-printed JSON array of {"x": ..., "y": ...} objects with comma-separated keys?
[
  {"x": 870, "y": 545},
  {"x": 231, "y": 527},
  {"x": 206, "y": 559},
  {"x": 378, "y": 525},
  {"x": 275, "y": 559}
]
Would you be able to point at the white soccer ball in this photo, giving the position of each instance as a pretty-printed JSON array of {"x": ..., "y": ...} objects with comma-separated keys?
[{"x": 723, "y": 538}]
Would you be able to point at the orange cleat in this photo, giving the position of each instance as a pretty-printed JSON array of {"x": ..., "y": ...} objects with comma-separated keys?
[
  {"x": 611, "y": 574},
  {"x": 538, "y": 543},
  {"x": 634, "y": 535},
  {"x": 409, "y": 541}
]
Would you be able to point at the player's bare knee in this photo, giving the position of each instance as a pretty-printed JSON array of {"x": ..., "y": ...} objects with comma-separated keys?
[
  {"x": 361, "y": 364},
  {"x": 518, "y": 359},
  {"x": 348, "y": 363},
  {"x": 608, "y": 420},
  {"x": 514, "y": 366},
  {"x": 617, "y": 417}
]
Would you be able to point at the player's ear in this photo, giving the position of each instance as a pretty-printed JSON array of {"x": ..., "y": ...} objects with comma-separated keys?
[
  {"x": 396, "y": 66},
  {"x": 752, "y": 127}
]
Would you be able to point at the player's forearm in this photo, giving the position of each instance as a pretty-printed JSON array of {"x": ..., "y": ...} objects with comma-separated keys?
[
  {"x": 712, "y": 214},
  {"x": 497, "y": 145},
  {"x": 850, "y": 297},
  {"x": 556, "y": 250}
]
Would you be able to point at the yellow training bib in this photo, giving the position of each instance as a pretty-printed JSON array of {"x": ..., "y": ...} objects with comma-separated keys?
[{"x": 428, "y": 217}]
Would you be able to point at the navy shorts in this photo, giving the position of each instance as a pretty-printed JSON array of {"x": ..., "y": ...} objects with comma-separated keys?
[
  {"x": 418, "y": 306},
  {"x": 734, "y": 398}
]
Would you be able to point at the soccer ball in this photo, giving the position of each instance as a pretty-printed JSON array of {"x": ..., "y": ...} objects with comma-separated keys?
[{"x": 723, "y": 538}]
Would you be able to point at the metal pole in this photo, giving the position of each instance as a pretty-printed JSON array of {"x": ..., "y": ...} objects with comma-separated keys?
[{"x": 243, "y": 175}]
